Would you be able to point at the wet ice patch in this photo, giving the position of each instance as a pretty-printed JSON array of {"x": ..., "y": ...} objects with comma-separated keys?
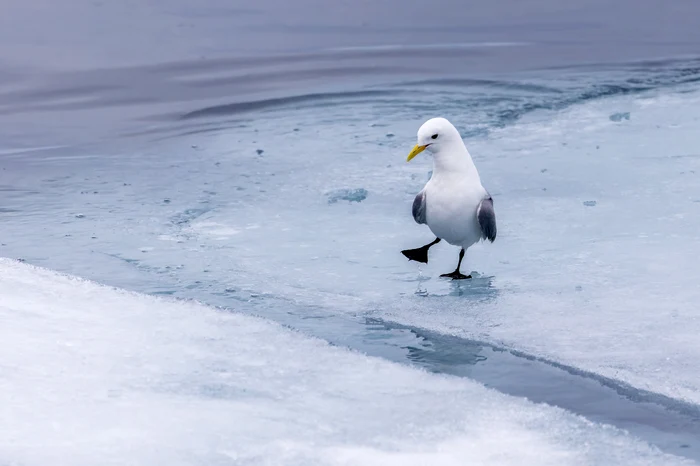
[
  {"x": 617, "y": 117},
  {"x": 350, "y": 195}
]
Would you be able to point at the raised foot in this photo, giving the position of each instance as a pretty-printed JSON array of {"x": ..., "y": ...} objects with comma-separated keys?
[
  {"x": 418, "y": 255},
  {"x": 456, "y": 276}
]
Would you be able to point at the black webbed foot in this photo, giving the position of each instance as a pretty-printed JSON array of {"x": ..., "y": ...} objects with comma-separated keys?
[
  {"x": 418, "y": 255},
  {"x": 456, "y": 275}
]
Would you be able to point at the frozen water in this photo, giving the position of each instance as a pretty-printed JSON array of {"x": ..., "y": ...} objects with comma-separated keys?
[
  {"x": 194, "y": 156},
  {"x": 606, "y": 291},
  {"x": 609, "y": 290},
  {"x": 95, "y": 375}
]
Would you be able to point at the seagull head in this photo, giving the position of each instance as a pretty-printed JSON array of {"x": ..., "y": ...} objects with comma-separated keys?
[{"x": 437, "y": 135}]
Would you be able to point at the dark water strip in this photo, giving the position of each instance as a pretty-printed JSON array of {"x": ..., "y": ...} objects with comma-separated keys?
[{"x": 671, "y": 425}]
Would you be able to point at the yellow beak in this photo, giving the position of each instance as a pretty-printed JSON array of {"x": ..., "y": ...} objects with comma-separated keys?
[{"x": 416, "y": 150}]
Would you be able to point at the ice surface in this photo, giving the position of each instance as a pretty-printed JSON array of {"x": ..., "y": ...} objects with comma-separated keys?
[
  {"x": 95, "y": 375},
  {"x": 609, "y": 290}
]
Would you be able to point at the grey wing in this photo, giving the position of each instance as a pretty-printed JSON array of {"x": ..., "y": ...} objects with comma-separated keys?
[
  {"x": 487, "y": 219},
  {"x": 419, "y": 208}
]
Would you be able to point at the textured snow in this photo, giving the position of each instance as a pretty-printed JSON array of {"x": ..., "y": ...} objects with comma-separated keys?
[{"x": 95, "y": 375}]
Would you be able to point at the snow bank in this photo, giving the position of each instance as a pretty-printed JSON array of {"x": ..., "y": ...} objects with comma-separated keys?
[{"x": 95, "y": 375}]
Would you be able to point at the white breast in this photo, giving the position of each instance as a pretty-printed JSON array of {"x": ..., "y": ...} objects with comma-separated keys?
[{"x": 452, "y": 201}]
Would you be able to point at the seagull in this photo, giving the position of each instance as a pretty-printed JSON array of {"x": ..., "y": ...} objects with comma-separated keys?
[{"x": 454, "y": 204}]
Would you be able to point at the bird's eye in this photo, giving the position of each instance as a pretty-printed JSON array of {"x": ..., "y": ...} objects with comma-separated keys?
[{"x": 434, "y": 136}]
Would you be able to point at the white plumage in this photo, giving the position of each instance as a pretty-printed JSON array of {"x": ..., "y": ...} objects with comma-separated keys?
[{"x": 454, "y": 204}]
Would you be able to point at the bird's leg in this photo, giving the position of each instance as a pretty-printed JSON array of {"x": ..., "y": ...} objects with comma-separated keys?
[
  {"x": 457, "y": 275},
  {"x": 419, "y": 254}
]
